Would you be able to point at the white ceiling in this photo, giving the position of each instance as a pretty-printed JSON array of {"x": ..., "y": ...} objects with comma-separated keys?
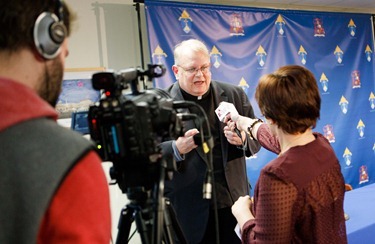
[{"x": 354, "y": 6}]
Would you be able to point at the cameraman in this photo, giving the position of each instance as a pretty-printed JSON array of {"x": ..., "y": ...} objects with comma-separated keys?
[
  {"x": 195, "y": 214},
  {"x": 52, "y": 185}
]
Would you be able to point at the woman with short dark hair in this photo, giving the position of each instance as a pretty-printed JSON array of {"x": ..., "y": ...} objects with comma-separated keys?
[{"x": 299, "y": 195}]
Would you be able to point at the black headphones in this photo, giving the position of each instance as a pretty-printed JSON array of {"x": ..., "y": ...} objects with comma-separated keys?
[{"x": 50, "y": 32}]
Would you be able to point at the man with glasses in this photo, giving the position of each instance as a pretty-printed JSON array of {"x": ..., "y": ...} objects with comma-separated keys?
[{"x": 195, "y": 214}]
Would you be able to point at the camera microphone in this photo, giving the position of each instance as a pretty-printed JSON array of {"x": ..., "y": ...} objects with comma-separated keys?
[{"x": 129, "y": 74}]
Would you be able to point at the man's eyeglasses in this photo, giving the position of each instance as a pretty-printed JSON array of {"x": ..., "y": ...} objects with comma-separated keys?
[{"x": 194, "y": 71}]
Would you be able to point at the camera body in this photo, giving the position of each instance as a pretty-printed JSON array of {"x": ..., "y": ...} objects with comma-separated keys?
[{"x": 128, "y": 128}]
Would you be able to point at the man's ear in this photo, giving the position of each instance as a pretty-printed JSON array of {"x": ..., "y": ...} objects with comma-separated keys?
[
  {"x": 175, "y": 71},
  {"x": 38, "y": 57}
]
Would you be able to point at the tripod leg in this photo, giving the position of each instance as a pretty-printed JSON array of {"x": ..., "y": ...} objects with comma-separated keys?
[
  {"x": 124, "y": 224},
  {"x": 143, "y": 226},
  {"x": 172, "y": 226},
  {"x": 168, "y": 229},
  {"x": 128, "y": 215}
]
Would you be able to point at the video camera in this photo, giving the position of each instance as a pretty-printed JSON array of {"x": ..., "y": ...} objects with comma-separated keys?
[{"x": 127, "y": 128}]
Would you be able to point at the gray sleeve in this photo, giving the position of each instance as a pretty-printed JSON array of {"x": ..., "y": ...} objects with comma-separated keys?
[{"x": 169, "y": 148}]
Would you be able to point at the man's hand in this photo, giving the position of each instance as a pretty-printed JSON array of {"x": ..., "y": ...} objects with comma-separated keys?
[
  {"x": 186, "y": 143},
  {"x": 232, "y": 136}
]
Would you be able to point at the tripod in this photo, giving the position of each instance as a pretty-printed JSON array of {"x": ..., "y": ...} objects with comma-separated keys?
[
  {"x": 151, "y": 230},
  {"x": 153, "y": 214}
]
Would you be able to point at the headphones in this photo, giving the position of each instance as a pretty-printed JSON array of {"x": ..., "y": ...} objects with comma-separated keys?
[{"x": 50, "y": 32}]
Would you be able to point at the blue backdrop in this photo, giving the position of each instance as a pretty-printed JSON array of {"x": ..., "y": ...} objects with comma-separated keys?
[{"x": 246, "y": 43}]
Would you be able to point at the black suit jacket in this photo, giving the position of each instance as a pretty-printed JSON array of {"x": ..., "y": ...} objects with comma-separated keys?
[{"x": 185, "y": 190}]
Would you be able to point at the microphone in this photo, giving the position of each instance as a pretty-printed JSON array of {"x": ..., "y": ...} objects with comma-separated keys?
[{"x": 224, "y": 109}]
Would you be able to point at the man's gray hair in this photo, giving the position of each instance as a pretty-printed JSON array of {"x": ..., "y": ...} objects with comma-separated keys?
[{"x": 191, "y": 45}]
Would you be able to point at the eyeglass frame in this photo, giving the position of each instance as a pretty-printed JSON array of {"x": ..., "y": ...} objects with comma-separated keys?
[{"x": 193, "y": 71}]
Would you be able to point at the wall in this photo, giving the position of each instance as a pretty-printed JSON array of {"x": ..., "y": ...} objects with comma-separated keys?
[{"x": 106, "y": 35}]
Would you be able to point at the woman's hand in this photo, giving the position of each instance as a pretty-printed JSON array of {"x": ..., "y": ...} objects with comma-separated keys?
[
  {"x": 238, "y": 121},
  {"x": 241, "y": 210}
]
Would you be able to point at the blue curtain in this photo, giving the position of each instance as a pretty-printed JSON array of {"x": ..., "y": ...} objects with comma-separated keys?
[{"x": 246, "y": 43}]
